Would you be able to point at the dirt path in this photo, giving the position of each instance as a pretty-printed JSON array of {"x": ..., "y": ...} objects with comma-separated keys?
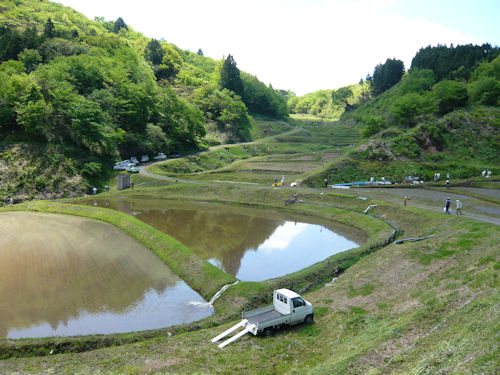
[{"x": 432, "y": 201}]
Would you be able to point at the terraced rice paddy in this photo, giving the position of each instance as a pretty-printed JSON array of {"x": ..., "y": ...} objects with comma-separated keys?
[
  {"x": 62, "y": 275},
  {"x": 294, "y": 154}
]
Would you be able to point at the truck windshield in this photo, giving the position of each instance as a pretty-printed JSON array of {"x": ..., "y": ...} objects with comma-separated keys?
[{"x": 297, "y": 302}]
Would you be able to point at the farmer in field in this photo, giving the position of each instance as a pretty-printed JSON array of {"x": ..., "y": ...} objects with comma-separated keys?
[
  {"x": 447, "y": 206},
  {"x": 405, "y": 200},
  {"x": 459, "y": 207},
  {"x": 326, "y": 183}
]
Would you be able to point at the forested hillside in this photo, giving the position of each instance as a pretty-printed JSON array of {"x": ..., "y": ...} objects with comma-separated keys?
[
  {"x": 91, "y": 92},
  {"x": 442, "y": 115},
  {"x": 330, "y": 104}
]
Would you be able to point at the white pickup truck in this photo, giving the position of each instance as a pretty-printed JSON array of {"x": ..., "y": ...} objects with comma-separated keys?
[{"x": 288, "y": 308}]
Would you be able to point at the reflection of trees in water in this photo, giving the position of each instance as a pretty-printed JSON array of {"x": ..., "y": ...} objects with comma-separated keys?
[
  {"x": 211, "y": 231},
  {"x": 217, "y": 231},
  {"x": 65, "y": 266},
  {"x": 219, "y": 235}
]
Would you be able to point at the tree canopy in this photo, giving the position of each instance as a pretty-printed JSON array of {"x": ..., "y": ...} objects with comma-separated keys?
[
  {"x": 453, "y": 62},
  {"x": 387, "y": 75}
]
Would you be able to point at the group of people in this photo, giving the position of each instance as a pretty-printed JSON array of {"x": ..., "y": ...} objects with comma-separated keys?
[{"x": 447, "y": 205}]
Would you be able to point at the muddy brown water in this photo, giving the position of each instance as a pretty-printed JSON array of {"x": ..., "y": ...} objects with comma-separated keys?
[
  {"x": 62, "y": 275},
  {"x": 251, "y": 244}
]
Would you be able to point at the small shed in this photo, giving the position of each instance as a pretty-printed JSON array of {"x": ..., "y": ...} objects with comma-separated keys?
[{"x": 123, "y": 181}]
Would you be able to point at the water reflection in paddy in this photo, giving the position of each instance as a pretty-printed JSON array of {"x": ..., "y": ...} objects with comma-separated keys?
[
  {"x": 62, "y": 275},
  {"x": 252, "y": 244}
]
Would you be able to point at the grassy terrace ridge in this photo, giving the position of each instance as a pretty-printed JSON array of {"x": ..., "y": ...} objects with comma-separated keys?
[
  {"x": 420, "y": 307},
  {"x": 201, "y": 275}
]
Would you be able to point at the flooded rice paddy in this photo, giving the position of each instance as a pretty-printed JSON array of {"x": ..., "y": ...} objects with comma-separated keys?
[
  {"x": 62, "y": 275},
  {"x": 251, "y": 244}
]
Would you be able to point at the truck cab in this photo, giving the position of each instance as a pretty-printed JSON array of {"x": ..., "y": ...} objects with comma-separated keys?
[{"x": 288, "y": 302}]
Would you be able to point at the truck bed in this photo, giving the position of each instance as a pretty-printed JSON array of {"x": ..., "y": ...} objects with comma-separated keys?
[{"x": 264, "y": 317}]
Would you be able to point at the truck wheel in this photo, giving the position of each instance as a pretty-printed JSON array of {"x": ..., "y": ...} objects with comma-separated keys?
[
  {"x": 309, "y": 319},
  {"x": 268, "y": 332}
]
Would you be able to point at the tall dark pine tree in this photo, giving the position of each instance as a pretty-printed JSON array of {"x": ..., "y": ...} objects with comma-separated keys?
[
  {"x": 49, "y": 30},
  {"x": 119, "y": 24},
  {"x": 154, "y": 52},
  {"x": 387, "y": 75},
  {"x": 230, "y": 77}
]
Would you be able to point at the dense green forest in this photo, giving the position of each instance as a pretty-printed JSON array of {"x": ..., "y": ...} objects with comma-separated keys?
[
  {"x": 96, "y": 91},
  {"x": 330, "y": 104}
]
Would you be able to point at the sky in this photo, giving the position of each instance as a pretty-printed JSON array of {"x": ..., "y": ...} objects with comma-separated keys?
[{"x": 306, "y": 45}]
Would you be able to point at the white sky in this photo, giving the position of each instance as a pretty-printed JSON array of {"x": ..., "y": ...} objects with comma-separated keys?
[{"x": 300, "y": 45}]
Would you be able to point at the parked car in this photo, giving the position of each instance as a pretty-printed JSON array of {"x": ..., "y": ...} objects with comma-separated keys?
[
  {"x": 134, "y": 160},
  {"x": 133, "y": 169},
  {"x": 160, "y": 156},
  {"x": 144, "y": 159},
  {"x": 121, "y": 165},
  {"x": 175, "y": 154}
]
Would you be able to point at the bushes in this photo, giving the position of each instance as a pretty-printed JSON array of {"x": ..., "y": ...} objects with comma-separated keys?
[
  {"x": 486, "y": 91},
  {"x": 450, "y": 95},
  {"x": 406, "y": 108},
  {"x": 373, "y": 125},
  {"x": 406, "y": 145},
  {"x": 417, "y": 80}
]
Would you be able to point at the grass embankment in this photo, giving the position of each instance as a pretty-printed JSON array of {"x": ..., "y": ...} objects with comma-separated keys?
[{"x": 420, "y": 307}]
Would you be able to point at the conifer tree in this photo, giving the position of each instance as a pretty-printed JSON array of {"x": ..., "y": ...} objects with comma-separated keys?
[
  {"x": 230, "y": 77},
  {"x": 387, "y": 75},
  {"x": 49, "y": 29},
  {"x": 119, "y": 24},
  {"x": 154, "y": 52}
]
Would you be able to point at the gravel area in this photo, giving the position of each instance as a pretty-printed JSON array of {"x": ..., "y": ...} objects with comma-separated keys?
[
  {"x": 433, "y": 198},
  {"x": 493, "y": 193}
]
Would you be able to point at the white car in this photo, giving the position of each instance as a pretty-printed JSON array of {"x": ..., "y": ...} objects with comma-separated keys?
[
  {"x": 133, "y": 159},
  {"x": 160, "y": 156},
  {"x": 144, "y": 159},
  {"x": 121, "y": 165}
]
